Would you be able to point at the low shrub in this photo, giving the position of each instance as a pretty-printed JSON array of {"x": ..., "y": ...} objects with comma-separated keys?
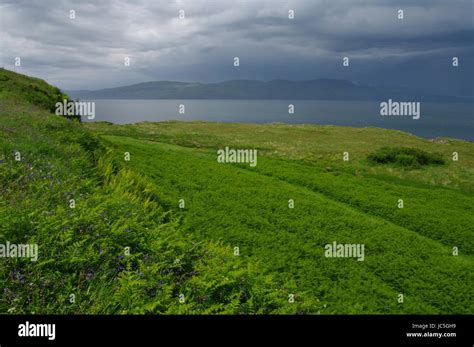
[{"x": 405, "y": 157}]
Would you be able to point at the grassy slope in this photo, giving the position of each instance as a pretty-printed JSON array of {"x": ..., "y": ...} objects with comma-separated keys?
[
  {"x": 82, "y": 249},
  {"x": 408, "y": 250},
  {"x": 134, "y": 204}
]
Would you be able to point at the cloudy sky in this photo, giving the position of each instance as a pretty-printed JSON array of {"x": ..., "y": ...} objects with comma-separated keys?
[{"x": 88, "y": 52}]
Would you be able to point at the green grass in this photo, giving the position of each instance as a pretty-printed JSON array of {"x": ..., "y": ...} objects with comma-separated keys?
[
  {"x": 135, "y": 204},
  {"x": 248, "y": 208},
  {"x": 83, "y": 250},
  {"x": 32, "y": 90}
]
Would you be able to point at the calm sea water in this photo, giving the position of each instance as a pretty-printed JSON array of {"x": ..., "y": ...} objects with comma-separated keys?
[{"x": 455, "y": 120}]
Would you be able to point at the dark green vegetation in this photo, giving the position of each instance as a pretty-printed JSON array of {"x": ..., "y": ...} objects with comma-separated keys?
[
  {"x": 405, "y": 157},
  {"x": 136, "y": 204}
]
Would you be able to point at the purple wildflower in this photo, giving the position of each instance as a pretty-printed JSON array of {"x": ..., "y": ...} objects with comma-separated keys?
[{"x": 89, "y": 275}]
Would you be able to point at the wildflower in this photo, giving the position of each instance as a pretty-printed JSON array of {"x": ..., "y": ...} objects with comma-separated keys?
[{"x": 89, "y": 275}]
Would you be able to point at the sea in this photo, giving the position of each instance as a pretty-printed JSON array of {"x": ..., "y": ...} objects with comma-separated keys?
[{"x": 437, "y": 119}]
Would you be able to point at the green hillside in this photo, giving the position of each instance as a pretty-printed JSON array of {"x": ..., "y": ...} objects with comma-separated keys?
[
  {"x": 235, "y": 246},
  {"x": 83, "y": 266}
]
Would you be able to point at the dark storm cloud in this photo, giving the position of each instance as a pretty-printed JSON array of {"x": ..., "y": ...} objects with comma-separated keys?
[{"x": 88, "y": 52}]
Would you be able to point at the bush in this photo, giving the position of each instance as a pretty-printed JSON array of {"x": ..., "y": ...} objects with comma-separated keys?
[
  {"x": 405, "y": 157},
  {"x": 406, "y": 160}
]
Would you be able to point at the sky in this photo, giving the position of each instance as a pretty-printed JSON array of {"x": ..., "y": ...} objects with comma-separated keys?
[{"x": 89, "y": 51}]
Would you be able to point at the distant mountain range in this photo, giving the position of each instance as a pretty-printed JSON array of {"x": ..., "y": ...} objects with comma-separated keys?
[{"x": 318, "y": 89}]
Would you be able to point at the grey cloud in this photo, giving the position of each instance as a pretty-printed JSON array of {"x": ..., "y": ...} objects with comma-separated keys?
[{"x": 88, "y": 52}]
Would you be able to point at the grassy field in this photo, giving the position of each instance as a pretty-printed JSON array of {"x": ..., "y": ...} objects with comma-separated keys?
[{"x": 235, "y": 246}]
